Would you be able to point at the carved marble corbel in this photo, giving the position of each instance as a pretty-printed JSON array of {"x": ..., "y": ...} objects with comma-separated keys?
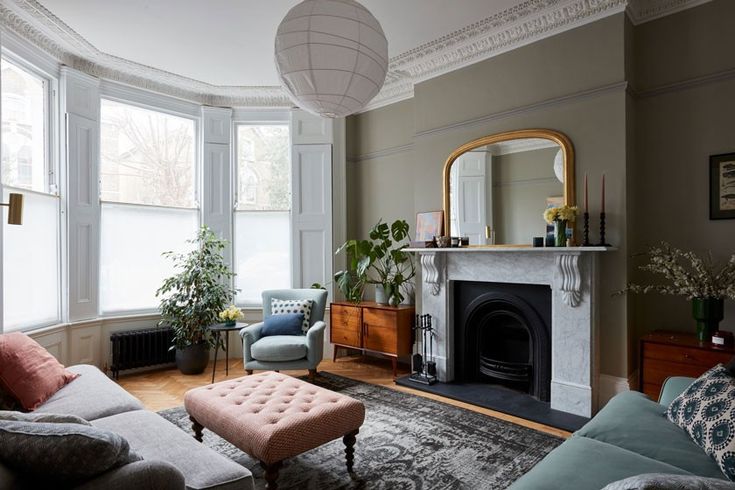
[
  {"x": 431, "y": 271},
  {"x": 571, "y": 279}
]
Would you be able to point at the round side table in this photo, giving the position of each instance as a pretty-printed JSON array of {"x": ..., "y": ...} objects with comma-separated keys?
[{"x": 217, "y": 329}]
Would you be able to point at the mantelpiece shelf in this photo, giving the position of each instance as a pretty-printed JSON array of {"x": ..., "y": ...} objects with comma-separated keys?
[{"x": 502, "y": 249}]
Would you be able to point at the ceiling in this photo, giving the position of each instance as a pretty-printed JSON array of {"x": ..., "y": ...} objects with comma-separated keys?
[{"x": 230, "y": 42}]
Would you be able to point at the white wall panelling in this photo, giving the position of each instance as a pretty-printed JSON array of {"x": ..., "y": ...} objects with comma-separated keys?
[
  {"x": 85, "y": 346},
  {"x": 55, "y": 341},
  {"x": 80, "y": 103}
]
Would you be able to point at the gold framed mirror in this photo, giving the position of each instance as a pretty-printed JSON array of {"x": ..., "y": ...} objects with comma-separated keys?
[{"x": 497, "y": 187}]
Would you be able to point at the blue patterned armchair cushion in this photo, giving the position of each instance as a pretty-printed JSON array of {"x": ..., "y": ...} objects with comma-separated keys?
[
  {"x": 706, "y": 410},
  {"x": 62, "y": 452},
  {"x": 283, "y": 324},
  {"x": 287, "y": 306}
]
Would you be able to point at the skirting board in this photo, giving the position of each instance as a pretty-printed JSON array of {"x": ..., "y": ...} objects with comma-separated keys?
[{"x": 612, "y": 385}]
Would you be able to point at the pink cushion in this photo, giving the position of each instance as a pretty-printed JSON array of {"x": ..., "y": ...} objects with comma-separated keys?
[
  {"x": 28, "y": 372},
  {"x": 272, "y": 416}
]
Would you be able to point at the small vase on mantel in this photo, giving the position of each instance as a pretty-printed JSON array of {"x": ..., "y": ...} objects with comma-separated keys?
[
  {"x": 560, "y": 233},
  {"x": 708, "y": 313}
]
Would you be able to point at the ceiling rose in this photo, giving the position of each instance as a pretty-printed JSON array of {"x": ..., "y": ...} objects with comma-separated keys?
[{"x": 331, "y": 56}]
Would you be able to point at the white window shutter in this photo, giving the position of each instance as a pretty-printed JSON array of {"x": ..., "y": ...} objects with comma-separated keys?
[
  {"x": 217, "y": 199},
  {"x": 80, "y": 102},
  {"x": 311, "y": 214}
]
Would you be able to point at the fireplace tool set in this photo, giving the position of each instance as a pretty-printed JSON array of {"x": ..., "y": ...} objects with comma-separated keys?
[{"x": 423, "y": 366}]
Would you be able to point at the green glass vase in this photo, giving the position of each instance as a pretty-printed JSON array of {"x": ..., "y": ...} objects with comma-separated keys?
[
  {"x": 708, "y": 313},
  {"x": 560, "y": 233}
]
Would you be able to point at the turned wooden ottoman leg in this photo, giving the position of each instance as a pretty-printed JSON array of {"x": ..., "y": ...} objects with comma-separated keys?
[
  {"x": 349, "y": 440},
  {"x": 312, "y": 374},
  {"x": 249, "y": 371},
  {"x": 197, "y": 428},
  {"x": 271, "y": 474}
]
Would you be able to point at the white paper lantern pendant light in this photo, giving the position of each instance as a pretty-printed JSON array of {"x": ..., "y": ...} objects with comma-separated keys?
[{"x": 332, "y": 56}]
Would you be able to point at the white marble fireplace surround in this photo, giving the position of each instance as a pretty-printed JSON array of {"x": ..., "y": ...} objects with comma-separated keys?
[{"x": 571, "y": 272}]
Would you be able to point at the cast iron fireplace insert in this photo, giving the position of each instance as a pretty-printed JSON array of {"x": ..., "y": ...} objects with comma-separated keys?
[{"x": 503, "y": 336}]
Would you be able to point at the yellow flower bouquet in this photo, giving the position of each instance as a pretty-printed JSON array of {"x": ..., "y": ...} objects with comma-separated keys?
[
  {"x": 560, "y": 213},
  {"x": 230, "y": 315}
]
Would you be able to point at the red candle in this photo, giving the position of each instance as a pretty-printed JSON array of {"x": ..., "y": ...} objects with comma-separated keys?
[
  {"x": 603, "y": 194},
  {"x": 586, "y": 195}
]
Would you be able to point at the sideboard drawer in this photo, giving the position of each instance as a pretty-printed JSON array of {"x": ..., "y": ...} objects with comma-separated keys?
[
  {"x": 685, "y": 355},
  {"x": 657, "y": 371},
  {"x": 346, "y": 317},
  {"x": 345, "y": 337}
]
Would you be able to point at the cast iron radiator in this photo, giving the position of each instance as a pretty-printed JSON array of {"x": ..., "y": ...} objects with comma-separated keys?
[{"x": 141, "y": 348}]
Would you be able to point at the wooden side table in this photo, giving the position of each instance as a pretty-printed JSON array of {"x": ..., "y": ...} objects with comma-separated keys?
[
  {"x": 666, "y": 353},
  {"x": 217, "y": 329}
]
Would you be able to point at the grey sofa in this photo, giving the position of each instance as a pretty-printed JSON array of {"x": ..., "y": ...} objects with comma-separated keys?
[{"x": 172, "y": 459}]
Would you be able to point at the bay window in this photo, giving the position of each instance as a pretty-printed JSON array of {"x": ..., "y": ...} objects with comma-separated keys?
[
  {"x": 148, "y": 193},
  {"x": 31, "y": 252},
  {"x": 263, "y": 210}
]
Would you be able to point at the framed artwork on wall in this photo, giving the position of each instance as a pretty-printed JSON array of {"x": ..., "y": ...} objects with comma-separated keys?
[
  {"x": 722, "y": 186},
  {"x": 429, "y": 225}
]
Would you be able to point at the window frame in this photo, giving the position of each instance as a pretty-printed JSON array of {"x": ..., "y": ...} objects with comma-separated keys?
[
  {"x": 258, "y": 118},
  {"x": 54, "y": 181},
  {"x": 162, "y": 104}
]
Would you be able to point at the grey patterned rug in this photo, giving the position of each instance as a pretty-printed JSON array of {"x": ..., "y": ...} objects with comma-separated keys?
[{"x": 406, "y": 442}]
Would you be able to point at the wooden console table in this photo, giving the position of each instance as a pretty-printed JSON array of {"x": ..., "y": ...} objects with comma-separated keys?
[
  {"x": 372, "y": 327},
  {"x": 665, "y": 354}
]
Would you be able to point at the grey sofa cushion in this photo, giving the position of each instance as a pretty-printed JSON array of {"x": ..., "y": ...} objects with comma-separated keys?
[
  {"x": 662, "y": 481},
  {"x": 140, "y": 475},
  {"x": 153, "y": 437},
  {"x": 49, "y": 418},
  {"x": 91, "y": 396},
  {"x": 60, "y": 451}
]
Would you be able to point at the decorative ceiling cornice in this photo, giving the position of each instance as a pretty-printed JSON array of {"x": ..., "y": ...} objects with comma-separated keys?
[{"x": 523, "y": 24}]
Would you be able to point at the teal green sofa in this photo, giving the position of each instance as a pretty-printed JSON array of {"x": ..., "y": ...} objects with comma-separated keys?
[{"x": 630, "y": 436}]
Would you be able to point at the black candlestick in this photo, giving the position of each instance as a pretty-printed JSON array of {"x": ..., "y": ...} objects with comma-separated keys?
[
  {"x": 586, "y": 242},
  {"x": 602, "y": 243}
]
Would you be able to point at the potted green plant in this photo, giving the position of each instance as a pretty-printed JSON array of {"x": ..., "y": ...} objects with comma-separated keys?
[
  {"x": 193, "y": 297},
  {"x": 383, "y": 256},
  {"x": 352, "y": 280},
  {"x": 700, "y": 280}
]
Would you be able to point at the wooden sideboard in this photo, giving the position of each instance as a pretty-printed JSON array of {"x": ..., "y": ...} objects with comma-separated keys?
[
  {"x": 665, "y": 354},
  {"x": 372, "y": 327}
]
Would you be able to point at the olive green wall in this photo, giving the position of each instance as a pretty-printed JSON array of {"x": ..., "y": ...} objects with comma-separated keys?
[
  {"x": 684, "y": 78},
  {"x": 572, "y": 82}
]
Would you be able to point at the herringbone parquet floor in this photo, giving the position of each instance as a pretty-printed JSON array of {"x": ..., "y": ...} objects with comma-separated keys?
[{"x": 163, "y": 389}]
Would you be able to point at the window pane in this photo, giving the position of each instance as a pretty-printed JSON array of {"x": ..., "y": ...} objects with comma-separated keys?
[
  {"x": 262, "y": 255},
  {"x": 133, "y": 238},
  {"x": 24, "y": 129},
  {"x": 263, "y": 168},
  {"x": 148, "y": 157},
  {"x": 31, "y": 264}
]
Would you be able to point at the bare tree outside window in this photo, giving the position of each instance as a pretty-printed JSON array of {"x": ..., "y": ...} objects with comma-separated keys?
[
  {"x": 264, "y": 168},
  {"x": 147, "y": 157}
]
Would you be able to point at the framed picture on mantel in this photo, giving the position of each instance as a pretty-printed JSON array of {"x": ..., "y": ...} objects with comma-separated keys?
[
  {"x": 429, "y": 225},
  {"x": 722, "y": 186}
]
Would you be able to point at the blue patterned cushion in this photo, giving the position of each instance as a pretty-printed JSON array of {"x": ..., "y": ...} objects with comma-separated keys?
[
  {"x": 283, "y": 324},
  {"x": 706, "y": 410},
  {"x": 303, "y": 306}
]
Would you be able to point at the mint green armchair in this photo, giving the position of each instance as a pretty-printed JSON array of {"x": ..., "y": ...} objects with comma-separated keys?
[{"x": 286, "y": 352}]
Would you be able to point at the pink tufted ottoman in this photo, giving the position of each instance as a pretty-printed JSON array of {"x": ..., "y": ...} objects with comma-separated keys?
[{"x": 271, "y": 417}]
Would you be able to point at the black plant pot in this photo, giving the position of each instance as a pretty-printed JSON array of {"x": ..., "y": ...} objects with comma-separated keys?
[{"x": 193, "y": 359}]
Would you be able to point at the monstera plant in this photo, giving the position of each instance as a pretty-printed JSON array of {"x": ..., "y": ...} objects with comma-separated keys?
[{"x": 379, "y": 260}]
